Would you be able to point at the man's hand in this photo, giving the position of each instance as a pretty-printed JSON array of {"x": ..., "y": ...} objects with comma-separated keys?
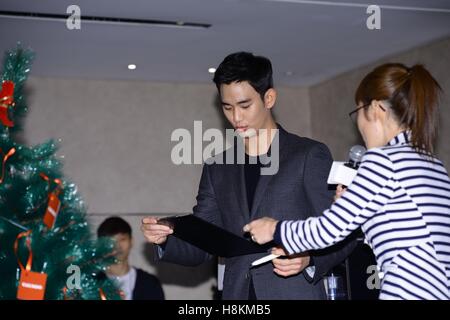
[
  {"x": 261, "y": 230},
  {"x": 290, "y": 266},
  {"x": 154, "y": 232}
]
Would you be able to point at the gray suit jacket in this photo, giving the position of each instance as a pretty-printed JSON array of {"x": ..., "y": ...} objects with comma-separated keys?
[{"x": 297, "y": 191}]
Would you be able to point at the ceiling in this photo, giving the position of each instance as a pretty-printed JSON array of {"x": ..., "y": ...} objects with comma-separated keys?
[{"x": 307, "y": 41}]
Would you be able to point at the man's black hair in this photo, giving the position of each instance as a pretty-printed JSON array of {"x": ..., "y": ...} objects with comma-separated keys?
[
  {"x": 113, "y": 226},
  {"x": 244, "y": 66}
]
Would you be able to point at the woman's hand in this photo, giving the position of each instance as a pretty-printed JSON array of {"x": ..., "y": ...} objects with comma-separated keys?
[
  {"x": 261, "y": 230},
  {"x": 340, "y": 189}
]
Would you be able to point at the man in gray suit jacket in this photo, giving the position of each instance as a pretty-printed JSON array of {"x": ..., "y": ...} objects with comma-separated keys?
[{"x": 231, "y": 195}]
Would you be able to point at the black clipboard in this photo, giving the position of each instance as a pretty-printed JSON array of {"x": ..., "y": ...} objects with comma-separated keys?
[{"x": 211, "y": 238}]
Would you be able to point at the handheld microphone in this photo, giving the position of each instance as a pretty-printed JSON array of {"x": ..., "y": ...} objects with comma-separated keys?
[
  {"x": 344, "y": 172},
  {"x": 355, "y": 155}
]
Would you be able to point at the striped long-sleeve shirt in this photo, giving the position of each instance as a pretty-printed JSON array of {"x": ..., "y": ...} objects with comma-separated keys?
[{"x": 401, "y": 200}]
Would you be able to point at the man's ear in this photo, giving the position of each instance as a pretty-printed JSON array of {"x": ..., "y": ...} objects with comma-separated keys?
[{"x": 269, "y": 98}]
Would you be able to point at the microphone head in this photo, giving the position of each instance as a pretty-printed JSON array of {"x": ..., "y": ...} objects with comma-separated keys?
[{"x": 356, "y": 153}]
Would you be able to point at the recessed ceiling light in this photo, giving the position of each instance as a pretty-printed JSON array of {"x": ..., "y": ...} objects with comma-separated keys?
[
  {"x": 289, "y": 73},
  {"x": 212, "y": 70},
  {"x": 131, "y": 66}
]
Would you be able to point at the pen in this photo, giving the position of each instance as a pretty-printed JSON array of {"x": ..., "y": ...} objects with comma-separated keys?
[{"x": 265, "y": 259}]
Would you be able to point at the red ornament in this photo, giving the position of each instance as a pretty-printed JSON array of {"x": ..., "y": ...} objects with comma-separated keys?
[
  {"x": 31, "y": 284},
  {"x": 54, "y": 204},
  {"x": 6, "y": 100}
]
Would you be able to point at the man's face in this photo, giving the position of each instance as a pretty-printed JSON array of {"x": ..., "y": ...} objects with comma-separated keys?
[
  {"x": 123, "y": 246},
  {"x": 244, "y": 108}
]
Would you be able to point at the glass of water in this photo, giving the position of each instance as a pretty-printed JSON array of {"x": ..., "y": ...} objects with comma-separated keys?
[{"x": 334, "y": 286}]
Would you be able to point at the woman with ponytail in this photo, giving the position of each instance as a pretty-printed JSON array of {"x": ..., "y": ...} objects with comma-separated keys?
[{"x": 400, "y": 196}]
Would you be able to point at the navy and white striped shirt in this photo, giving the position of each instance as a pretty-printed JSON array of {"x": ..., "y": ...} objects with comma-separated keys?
[{"x": 401, "y": 199}]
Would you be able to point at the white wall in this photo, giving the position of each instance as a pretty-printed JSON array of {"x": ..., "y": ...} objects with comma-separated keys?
[{"x": 332, "y": 100}]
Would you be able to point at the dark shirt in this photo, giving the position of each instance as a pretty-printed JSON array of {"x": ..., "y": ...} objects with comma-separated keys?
[
  {"x": 147, "y": 287},
  {"x": 252, "y": 173}
]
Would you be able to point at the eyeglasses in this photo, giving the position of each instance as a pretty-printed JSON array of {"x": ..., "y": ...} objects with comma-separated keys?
[{"x": 353, "y": 114}]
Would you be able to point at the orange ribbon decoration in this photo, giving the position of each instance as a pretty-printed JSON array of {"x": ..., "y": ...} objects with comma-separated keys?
[
  {"x": 5, "y": 158},
  {"x": 56, "y": 180},
  {"x": 64, "y": 290},
  {"x": 102, "y": 294},
  {"x": 46, "y": 178},
  {"x": 30, "y": 256}
]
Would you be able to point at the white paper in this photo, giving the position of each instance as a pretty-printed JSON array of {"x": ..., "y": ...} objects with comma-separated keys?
[
  {"x": 265, "y": 259},
  {"x": 341, "y": 174}
]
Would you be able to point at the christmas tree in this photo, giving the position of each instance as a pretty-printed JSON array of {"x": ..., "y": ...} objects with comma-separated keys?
[{"x": 46, "y": 248}]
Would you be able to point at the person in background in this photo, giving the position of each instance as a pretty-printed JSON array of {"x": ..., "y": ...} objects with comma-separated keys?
[
  {"x": 400, "y": 196},
  {"x": 135, "y": 283}
]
